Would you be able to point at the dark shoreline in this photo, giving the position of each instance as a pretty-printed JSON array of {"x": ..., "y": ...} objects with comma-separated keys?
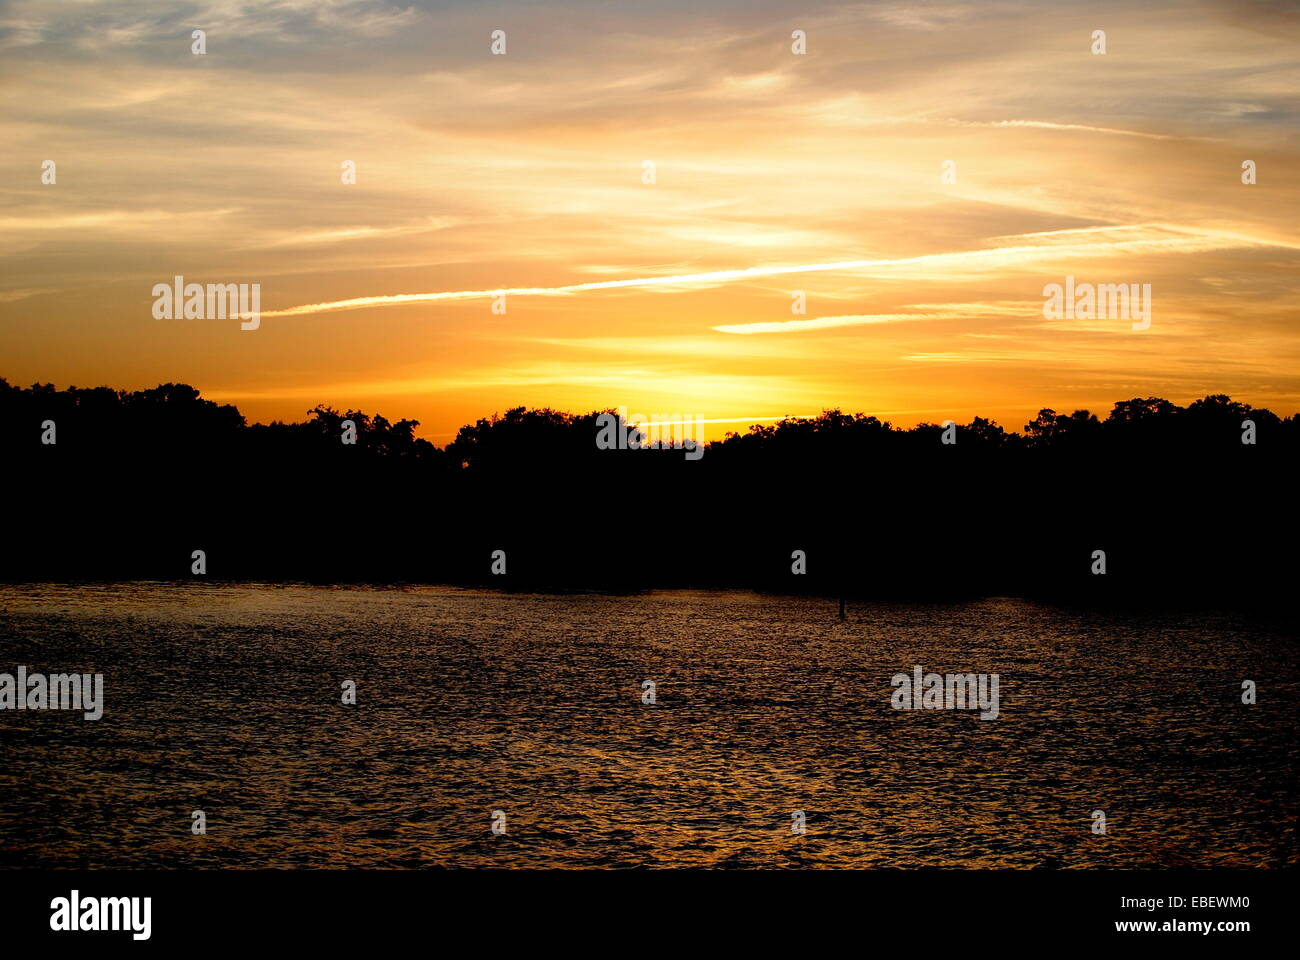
[{"x": 1277, "y": 609}]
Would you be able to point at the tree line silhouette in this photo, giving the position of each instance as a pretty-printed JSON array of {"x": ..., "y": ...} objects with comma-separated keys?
[{"x": 1180, "y": 506}]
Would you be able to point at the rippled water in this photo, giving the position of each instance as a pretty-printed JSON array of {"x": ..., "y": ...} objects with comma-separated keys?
[{"x": 226, "y": 698}]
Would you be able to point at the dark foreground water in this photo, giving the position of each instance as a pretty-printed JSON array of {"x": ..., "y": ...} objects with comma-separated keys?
[{"x": 226, "y": 699}]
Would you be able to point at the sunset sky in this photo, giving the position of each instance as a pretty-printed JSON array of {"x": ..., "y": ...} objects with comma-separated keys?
[{"x": 775, "y": 173}]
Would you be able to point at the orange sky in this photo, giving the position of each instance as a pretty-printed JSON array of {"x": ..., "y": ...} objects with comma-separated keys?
[{"x": 478, "y": 172}]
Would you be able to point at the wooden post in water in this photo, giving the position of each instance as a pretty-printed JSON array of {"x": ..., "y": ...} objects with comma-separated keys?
[{"x": 841, "y": 606}]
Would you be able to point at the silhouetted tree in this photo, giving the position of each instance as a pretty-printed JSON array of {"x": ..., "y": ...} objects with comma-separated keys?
[{"x": 138, "y": 479}]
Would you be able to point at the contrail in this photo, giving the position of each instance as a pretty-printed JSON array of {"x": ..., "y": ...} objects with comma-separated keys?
[
  {"x": 715, "y": 276},
  {"x": 1045, "y": 125},
  {"x": 1150, "y": 238},
  {"x": 824, "y": 323}
]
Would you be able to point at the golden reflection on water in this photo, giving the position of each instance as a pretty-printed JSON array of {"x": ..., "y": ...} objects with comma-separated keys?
[{"x": 225, "y": 698}]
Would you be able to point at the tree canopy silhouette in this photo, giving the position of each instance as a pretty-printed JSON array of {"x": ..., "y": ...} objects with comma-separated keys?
[{"x": 138, "y": 479}]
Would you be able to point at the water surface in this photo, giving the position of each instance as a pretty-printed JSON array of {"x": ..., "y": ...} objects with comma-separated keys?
[{"x": 226, "y": 698}]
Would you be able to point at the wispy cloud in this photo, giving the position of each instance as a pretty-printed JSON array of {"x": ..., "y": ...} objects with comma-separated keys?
[
  {"x": 479, "y": 174},
  {"x": 1052, "y": 246},
  {"x": 1085, "y": 128}
]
